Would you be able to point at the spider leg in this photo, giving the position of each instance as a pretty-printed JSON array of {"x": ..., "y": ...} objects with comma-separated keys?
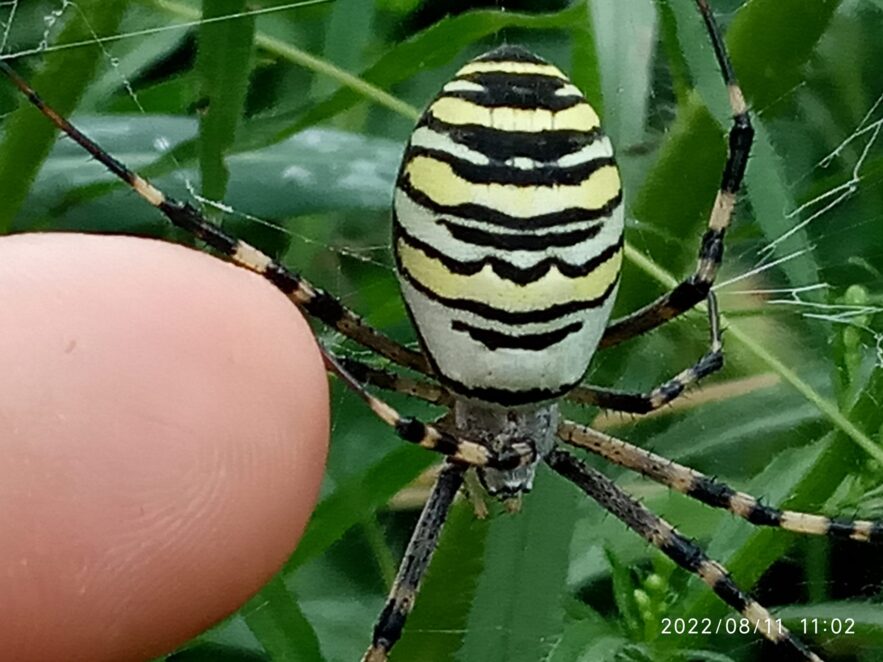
[
  {"x": 678, "y": 548},
  {"x": 423, "y": 542},
  {"x": 391, "y": 381},
  {"x": 713, "y": 492},
  {"x": 428, "y": 392},
  {"x": 642, "y": 403},
  {"x": 309, "y": 298},
  {"x": 430, "y": 437},
  {"x": 696, "y": 287}
]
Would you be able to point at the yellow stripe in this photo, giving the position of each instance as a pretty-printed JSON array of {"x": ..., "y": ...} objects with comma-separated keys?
[
  {"x": 486, "y": 287},
  {"x": 509, "y": 67},
  {"x": 581, "y": 117},
  {"x": 437, "y": 180},
  {"x": 862, "y": 531}
]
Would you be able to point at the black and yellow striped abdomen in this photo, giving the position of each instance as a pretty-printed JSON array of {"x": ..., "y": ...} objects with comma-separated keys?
[{"x": 507, "y": 230}]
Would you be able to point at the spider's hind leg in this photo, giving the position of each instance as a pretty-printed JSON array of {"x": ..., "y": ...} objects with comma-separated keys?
[
  {"x": 423, "y": 542},
  {"x": 712, "y": 492},
  {"x": 679, "y": 549}
]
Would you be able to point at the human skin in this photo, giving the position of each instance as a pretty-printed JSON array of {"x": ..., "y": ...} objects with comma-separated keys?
[{"x": 163, "y": 431}]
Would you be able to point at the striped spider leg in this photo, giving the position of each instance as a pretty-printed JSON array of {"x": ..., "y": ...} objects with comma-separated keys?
[
  {"x": 418, "y": 554},
  {"x": 643, "y": 403},
  {"x": 692, "y": 290},
  {"x": 677, "y": 547},
  {"x": 712, "y": 492}
]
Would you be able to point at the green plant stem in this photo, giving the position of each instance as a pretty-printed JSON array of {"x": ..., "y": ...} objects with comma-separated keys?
[
  {"x": 386, "y": 562},
  {"x": 302, "y": 58}
]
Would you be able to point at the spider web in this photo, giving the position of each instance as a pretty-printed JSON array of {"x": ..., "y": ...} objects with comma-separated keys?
[{"x": 754, "y": 279}]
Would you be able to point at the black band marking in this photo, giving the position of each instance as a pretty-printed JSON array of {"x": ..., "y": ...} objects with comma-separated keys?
[
  {"x": 498, "y": 172},
  {"x": 520, "y": 241},
  {"x": 494, "y": 217},
  {"x": 389, "y": 626},
  {"x": 410, "y": 429},
  {"x": 840, "y": 528},
  {"x": 711, "y": 492},
  {"x": 762, "y": 515},
  {"x": 505, "y": 397},
  {"x": 527, "y": 91},
  {"x": 504, "y": 269},
  {"x": 685, "y": 553},
  {"x": 741, "y": 138},
  {"x": 727, "y": 590},
  {"x": 712, "y": 246},
  {"x": 543, "y": 146},
  {"x": 536, "y": 342},
  {"x": 507, "y": 316}
]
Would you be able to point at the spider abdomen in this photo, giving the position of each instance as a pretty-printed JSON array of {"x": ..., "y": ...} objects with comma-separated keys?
[{"x": 508, "y": 230}]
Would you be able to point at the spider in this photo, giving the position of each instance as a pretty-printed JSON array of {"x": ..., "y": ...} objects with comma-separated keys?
[{"x": 507, "y": 236}]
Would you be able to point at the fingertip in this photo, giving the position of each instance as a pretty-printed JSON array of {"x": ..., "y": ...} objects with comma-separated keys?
[{"x": 163, "y": 424}]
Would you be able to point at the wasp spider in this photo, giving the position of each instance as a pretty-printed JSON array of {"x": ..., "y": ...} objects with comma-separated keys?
[{"x": 508, "y": 239}]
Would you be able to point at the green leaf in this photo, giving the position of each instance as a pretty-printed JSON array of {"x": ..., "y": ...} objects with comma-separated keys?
[
  {"x": 130, "y": 59},
  {"x": 301, "y": 175},
  {"x": 587, "y": 637},
  {"x": 436, "y": 628},
  {"x": 275, "y": 618},
  {"x": 28, "y": 136},
  {"x": 678, "y": 192},
  {"x": 345, "y": 29},
  {"x": 224, "y": 65},
  {"x": 518, "y": 610},
  {"x": 434, "y": 47},
  {"x": 625, "y": 37},
  {"x": 674, "y": 50},
  {"x": 623, "y": 592},
  {"x": 356, "y": 500},
  {"x": 771, "y": 199},
  {"x": 768, "y": 57},
  {"x": 586, "y": 70}
]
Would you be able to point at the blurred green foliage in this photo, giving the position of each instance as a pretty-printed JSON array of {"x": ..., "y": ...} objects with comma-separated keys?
[{"x": 300, "y": 132}]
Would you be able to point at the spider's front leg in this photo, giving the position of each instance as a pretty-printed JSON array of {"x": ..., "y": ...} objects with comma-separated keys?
[
  {"x": 312, "y": 300},
  {"x": 691, "y": 291},
  {"x": 414, "y": 431}
]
